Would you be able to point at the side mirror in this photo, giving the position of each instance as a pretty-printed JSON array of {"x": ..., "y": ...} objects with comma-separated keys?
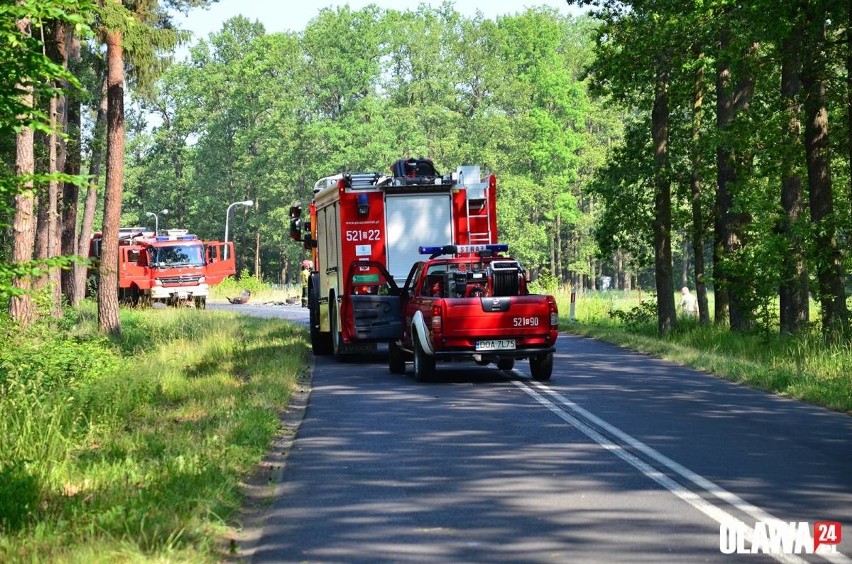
[{"x": 295, "y": 223}]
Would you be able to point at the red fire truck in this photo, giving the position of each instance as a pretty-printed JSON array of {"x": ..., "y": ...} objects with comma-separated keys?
[
  {"x": 364, "y": 233},
  {"x": 173, "y": 267}
]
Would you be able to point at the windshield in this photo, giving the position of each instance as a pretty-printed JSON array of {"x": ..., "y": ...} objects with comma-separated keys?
[{"x": 177, "y": 255}]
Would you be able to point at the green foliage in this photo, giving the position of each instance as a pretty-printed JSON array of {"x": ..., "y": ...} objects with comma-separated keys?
[
  {"x": 26, "y": 68},
  {"x": 737, "y": 51},
  {"x": 136, "y": 446},
  {"x": 637, "y": 316},
  {"x": 545, "y": 283}
]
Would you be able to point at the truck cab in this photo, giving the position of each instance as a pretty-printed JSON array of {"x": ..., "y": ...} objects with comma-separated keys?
[{"x": 173, "y": 268}]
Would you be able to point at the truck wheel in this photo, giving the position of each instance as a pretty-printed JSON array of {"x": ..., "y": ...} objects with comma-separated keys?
[
  {"x": 134, "y": 296},
  {"x": 320, "y": 342},
  {"x": 506, "y": 363},
  {"x": 541, "y": 366},
  {"x": 201, "y": 303},
  {"x": 336, "y": 337},
  {"x": 424, "y": 365},
  {"x": 396, "y": 358}
]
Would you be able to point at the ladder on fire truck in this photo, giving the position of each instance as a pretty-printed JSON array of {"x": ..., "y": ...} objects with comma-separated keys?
[{"x": 477, "y": 206}]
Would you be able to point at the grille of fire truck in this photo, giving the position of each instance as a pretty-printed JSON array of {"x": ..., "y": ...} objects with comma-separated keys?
[{"x": 185, "y": 279}]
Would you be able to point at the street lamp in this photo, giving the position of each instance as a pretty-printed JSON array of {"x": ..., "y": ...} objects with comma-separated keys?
[
  {"x": 157, "y": 220},
  {"x": 228, "y": 215}
]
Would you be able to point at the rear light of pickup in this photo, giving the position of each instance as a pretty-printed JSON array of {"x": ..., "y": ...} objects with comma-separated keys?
[
  {"x": 554, "y": 319},
  {"x": 437, "y": 322}
]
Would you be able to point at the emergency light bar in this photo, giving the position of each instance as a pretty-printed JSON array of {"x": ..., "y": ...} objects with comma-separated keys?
[
  {"x": 176, "y": 238},
  {"x": 458, "y": 249}
]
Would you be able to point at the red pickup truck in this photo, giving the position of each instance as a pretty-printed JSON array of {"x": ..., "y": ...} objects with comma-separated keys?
[{"x": 472, "y": 303}]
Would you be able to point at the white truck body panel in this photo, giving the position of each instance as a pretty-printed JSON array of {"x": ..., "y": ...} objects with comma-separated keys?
[{"x": 414, "y": 220}]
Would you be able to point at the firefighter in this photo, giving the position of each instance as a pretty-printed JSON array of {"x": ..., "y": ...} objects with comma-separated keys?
[{"x": 305, "y": 275}]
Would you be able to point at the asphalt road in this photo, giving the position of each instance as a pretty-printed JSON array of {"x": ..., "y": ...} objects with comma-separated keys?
[{"x": 619, "y": 458}]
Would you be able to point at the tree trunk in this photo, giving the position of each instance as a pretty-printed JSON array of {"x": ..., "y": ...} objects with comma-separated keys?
[
  {"x": 257, "y": 255},
  {"x": 559, "y": 270},
  {"x": 827, "y": 257},
  {"x": 695, "y": 189},
  {"x": 849, "y": 94},
  {"x": 59, "y": 118},
  {"x": 23, "y": 228},
  {"x": 70, "y": 196},
  {"x": 793, "y": 290},
  {"x": 663, "y": 271},
  {"x": 720, "y": 281},
  {"x": 108, "y": 320},
  {"x": 70, "y": 191},
  {"x": 42, "y": 235},
  {"x": 731, "y": 224},
  {"x": 87, "y": 223}
]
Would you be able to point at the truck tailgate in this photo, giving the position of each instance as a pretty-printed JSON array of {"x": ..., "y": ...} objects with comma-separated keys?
[{"x": 523, "y": 317}]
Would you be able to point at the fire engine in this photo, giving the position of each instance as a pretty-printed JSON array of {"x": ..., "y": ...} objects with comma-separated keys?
[
  {"x": 364, "y": 233},
  {"x": 172, "y": 267}
]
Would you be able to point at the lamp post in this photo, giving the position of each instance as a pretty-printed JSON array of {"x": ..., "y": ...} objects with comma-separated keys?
[
  {"x": 228, "y": 215},
  {"x": 157, "y": 220}
]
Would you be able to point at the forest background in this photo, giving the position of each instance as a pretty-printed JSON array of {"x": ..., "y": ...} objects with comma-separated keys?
[{"x": 647, "y": 144}]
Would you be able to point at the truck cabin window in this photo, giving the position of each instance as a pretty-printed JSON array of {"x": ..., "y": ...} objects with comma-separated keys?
[{"x": 177, "y": 255}]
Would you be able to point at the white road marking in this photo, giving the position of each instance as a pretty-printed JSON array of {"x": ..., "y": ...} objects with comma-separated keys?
[{"x": 581, "y": 416}]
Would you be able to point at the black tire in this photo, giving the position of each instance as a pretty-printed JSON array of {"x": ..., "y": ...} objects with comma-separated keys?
[
  {"x": 424, "y": 365},
  {"x": 396, "y": 358},
  {"x": 541, "y": 366},
  {"x": 320, "y": 342},
  {"x": 201, "y": 302},
  {"x": 506, "y": 363},
  {"x": 134, "y": 296},
  {"x": 337, "y": 346}
]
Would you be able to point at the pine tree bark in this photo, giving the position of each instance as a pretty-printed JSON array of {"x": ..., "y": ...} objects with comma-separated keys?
[
  {"x": 108, "y": 320},
  {"x": 793, "y": 291},
  {"x": 23, "y": 227},
  {"x": 663, "y": 269}
]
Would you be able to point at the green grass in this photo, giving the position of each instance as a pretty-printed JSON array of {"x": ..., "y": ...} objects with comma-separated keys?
[
  {"x": 804, "y": 367},
  {"x": 133, "y": 449}
]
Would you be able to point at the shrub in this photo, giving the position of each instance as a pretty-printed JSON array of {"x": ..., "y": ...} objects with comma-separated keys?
[
  {"x": 643, "y": 314},
  {"x": 545, "y": 283}
]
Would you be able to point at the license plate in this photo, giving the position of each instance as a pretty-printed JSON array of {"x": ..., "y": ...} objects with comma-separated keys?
[{"x": 496, "y": 345}]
